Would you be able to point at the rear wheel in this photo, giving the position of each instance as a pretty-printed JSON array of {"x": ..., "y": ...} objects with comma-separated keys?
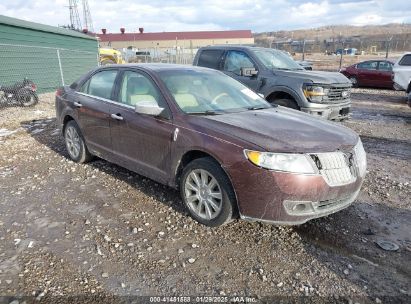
[
  {"x": 27, "y": 98},
  {"x": 285, "y": 102},
  {"x": 76, "y": 147},
  {"x": 207, "y": 192}
]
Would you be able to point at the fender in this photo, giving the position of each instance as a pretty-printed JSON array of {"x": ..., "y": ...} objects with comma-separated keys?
[
  {"x": 176, "y": 166},
  {"x": 67, "y": 111},
  {"x": 274, "y": 89}
]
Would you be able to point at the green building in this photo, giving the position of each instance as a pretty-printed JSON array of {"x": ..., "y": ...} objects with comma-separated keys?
[{"x": 48, "y": 55}]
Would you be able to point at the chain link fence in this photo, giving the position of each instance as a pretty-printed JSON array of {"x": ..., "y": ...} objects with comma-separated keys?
[
  {"x": 160, "y": 55},
  {"x": 27, "y": 71}
]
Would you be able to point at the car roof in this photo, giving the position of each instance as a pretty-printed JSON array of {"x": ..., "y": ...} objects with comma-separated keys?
[
  {"x": 387, "y": 60},
  {"x": 156, "y": 67},
  {"x": 236, "y": 46}
]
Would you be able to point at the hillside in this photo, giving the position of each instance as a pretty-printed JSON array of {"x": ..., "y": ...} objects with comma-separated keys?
[{"x": 329, "y": 37}]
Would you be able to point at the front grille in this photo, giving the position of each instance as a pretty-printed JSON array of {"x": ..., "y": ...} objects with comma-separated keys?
[
  {"x": 335, "y": 94},
  {"x": 337, "y": 168}
]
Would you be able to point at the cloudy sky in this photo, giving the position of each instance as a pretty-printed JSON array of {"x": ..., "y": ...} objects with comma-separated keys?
[{"x": 185, "y": 15}]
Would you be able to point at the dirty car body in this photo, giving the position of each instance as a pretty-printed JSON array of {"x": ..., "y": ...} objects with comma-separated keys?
[{"x": 280, "y": 165}]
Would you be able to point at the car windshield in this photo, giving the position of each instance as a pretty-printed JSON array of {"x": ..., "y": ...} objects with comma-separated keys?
[
  {"x": 210, "y": 92},
  {"x": 273, "y": 59}
]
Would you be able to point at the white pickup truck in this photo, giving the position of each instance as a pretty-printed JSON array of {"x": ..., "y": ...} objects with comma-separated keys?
[{"x": 402, "y": 73}]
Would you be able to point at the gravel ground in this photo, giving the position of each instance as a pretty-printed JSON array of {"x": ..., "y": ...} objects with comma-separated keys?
[{"x": 91, "y": 233}]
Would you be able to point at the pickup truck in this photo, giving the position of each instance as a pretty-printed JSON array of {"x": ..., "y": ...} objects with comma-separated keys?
[
  {"x": 402, "y": 73},
  {"x": 281, "y": 81}
]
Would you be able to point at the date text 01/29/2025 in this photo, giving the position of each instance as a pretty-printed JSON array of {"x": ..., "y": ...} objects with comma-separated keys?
[{"x": 203, "y": 299}]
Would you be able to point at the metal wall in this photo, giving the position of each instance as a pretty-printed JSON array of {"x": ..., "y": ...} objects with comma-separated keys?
[{"x": 49, "y": 59}]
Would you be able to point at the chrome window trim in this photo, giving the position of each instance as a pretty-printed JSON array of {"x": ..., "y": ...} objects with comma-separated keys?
[{"x": 107, "y": 100}]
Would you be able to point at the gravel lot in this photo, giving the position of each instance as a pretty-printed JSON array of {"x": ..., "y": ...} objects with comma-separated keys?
[{"x": 97, "y": 232}]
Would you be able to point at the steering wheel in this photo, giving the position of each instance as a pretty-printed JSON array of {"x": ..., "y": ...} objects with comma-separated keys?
[{"x": 214, "y": 101}]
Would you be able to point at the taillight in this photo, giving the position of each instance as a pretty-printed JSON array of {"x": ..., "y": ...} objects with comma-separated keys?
[{"x": 59, "y": 92}]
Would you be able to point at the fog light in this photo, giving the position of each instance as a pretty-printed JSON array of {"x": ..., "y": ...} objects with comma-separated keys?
[{"x": 299, "y": 208}]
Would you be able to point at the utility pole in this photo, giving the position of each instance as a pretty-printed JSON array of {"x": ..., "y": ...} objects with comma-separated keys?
[
  {"x": 387, "y": 44},
  {"x": 303, "y": 49}
]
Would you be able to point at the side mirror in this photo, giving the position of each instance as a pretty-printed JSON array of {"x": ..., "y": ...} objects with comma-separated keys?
[
  {"x": 148, "y": 108},
  {"x": 248, "y": 72}
]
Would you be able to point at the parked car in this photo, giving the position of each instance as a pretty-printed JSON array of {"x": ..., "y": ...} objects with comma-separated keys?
[
  {"x": 280, "y": 79},
  {"x": 305, "y": 64},
  {"x": 229, "y": 151},
  {"x": 370, "y": 73},
  {"x": 409, "y": 99},
  {"x": 402, "y": 73}
]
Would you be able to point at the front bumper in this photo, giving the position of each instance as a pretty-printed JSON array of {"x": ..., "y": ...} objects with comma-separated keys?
[
  {"x": 329, "y": 111},
  {"x": 269, "y": 196}
]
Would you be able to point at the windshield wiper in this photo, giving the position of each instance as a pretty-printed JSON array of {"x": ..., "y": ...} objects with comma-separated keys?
[
  {"x": 208, "y": 112},
  {"x": 257, "y": 108}
]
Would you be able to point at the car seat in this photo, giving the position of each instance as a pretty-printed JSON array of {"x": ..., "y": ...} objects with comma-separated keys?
[
  {"x": 139, "y": 89},
  {"x": 181, "y": 94}
]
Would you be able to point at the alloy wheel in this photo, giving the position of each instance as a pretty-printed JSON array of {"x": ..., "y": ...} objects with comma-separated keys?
[
  {"x": 73, "y": 142},
  {"x": 203, "y": 194}
]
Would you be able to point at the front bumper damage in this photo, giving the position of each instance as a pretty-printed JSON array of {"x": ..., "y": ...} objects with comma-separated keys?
[{"x": 287, "y": 198}]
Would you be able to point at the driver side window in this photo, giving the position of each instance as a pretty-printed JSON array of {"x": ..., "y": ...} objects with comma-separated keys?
[
  {"x": 235, "y": 60},
  {"x": 136, "y": 88}
]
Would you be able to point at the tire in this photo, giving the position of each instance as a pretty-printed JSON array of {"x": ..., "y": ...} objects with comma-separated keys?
[
  {"x": 28, "y": 99},
  {"x": 285, "y": 102},
  {"x": 354, "y": 81},
  {"x": 107, "y": 62},
  {"x": 75, "y": 144},
  {"x": 223, "y": 207}
]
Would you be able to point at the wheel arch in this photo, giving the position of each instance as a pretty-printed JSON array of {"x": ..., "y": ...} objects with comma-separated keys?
[
  {"x": 283, "y": 92},
  {"x": 65, "y": 121},
  {"x": 191, "y": 155}
]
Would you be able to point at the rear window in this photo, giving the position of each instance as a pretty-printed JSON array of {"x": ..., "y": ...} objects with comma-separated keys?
[
  {"x": 368, "y": 65},
  {"x": 210, "y": 58},
  {"x": 406, "y": 60},
  {"x": 100, "y": 84}
]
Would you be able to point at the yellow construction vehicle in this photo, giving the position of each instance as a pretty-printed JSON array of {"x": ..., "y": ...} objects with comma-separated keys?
[{"x": 110, "y": 56}]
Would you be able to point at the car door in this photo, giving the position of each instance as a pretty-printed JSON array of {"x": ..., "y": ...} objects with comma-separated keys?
[
  {"x": 94, "y": 102},
  {"x": 368, "y": 73},
  {"x": 233, "y": 62},
  {"x": 385, "y": 74},
  {"x": 141, "y": 143}
]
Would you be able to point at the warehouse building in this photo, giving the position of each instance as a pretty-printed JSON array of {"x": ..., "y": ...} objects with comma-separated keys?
[
  {"x": 49, "y": 56},
  {"x": 164, "y": 40}
]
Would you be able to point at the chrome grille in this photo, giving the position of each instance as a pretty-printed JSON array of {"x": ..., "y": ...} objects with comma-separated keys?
[
  {"x": 336, "y": 167},
  {"x": 335, "y": 94}
]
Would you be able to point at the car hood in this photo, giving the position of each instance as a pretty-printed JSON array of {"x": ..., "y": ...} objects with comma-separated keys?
[
  {"x": 281, "y": 130},
  {"x": 315, "y": 76}
]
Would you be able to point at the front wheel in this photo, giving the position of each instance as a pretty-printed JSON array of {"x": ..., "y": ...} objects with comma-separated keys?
[
  {"x": 76, "y": 147},
  {"x": 285, "y": 102},
  {"x": 354, "y": 81},
  {"x": 207, "y": 192}
]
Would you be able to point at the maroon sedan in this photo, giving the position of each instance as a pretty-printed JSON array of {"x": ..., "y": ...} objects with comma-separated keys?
[
  {"x": 228, "y": 151},
  {"x": 372, "y": 73}
]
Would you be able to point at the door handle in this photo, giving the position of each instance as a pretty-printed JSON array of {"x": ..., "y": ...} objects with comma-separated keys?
[
  {"x": 77, "y": 104},
  {"x": 117, "y": 116}
]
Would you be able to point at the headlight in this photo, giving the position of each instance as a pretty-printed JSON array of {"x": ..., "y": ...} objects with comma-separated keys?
[
  {"x": 294, "y": 163},
  {"x": 361, "y": 158},
  {"x": 314, "y": 93}
]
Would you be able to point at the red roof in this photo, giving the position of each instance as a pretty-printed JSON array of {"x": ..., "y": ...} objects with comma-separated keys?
[{"x": 175, "y": 35}]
